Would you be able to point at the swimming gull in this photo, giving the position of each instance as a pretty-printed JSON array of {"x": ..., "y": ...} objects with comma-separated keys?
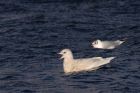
[
  {"x": 106, "y": 44},
  {"x": 71, "y": 65}
]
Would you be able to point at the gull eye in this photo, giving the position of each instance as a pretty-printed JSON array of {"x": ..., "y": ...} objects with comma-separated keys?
[
  {"x": 96, "y": 42},
  {"x": 64, "y": 52}
]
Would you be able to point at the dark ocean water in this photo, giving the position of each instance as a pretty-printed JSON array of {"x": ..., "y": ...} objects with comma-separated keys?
[{"x": 32, "y": 32}]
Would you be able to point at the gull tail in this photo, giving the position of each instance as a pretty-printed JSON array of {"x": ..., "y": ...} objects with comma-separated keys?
[
  {"x": 109, "y": 59},
  {"x": 123, "y": 40},
  {"x": 104, "y": 61}
]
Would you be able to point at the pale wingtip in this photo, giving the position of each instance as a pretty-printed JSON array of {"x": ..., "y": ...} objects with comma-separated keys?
[{"x": 111, "y": 58}]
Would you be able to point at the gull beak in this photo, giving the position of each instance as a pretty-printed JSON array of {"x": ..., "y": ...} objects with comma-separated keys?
[
  {"x": 61, "y": 55},
  {"x": 92, "y": 44}
]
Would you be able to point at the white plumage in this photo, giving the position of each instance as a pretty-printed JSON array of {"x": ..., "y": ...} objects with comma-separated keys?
[
  {"x": 84, "y": 64},
  {"x": 106, "y": 44}
]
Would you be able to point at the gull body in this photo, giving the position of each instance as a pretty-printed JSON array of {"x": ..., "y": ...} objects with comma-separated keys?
[
  {"x": 106, "y": 44},
  {"x": 84, "y": 64}
]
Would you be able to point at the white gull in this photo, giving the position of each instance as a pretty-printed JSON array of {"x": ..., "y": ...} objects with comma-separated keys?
[
  {"x": 106, "y": 44},
  {"x": 71, "y": 65}
]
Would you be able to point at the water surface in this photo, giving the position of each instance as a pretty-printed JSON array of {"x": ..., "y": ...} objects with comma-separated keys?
[{"x": 33, "y": 32}]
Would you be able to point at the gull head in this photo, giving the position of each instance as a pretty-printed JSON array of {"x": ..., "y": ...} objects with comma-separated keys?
[
  {"x": 66, "y": 53},
  {"x": 97, "y": 44}
]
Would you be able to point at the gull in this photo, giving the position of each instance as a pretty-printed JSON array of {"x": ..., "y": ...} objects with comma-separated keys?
[
  {"x": 106, "y": 44},
  {"x": 71, "y": 65}
]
